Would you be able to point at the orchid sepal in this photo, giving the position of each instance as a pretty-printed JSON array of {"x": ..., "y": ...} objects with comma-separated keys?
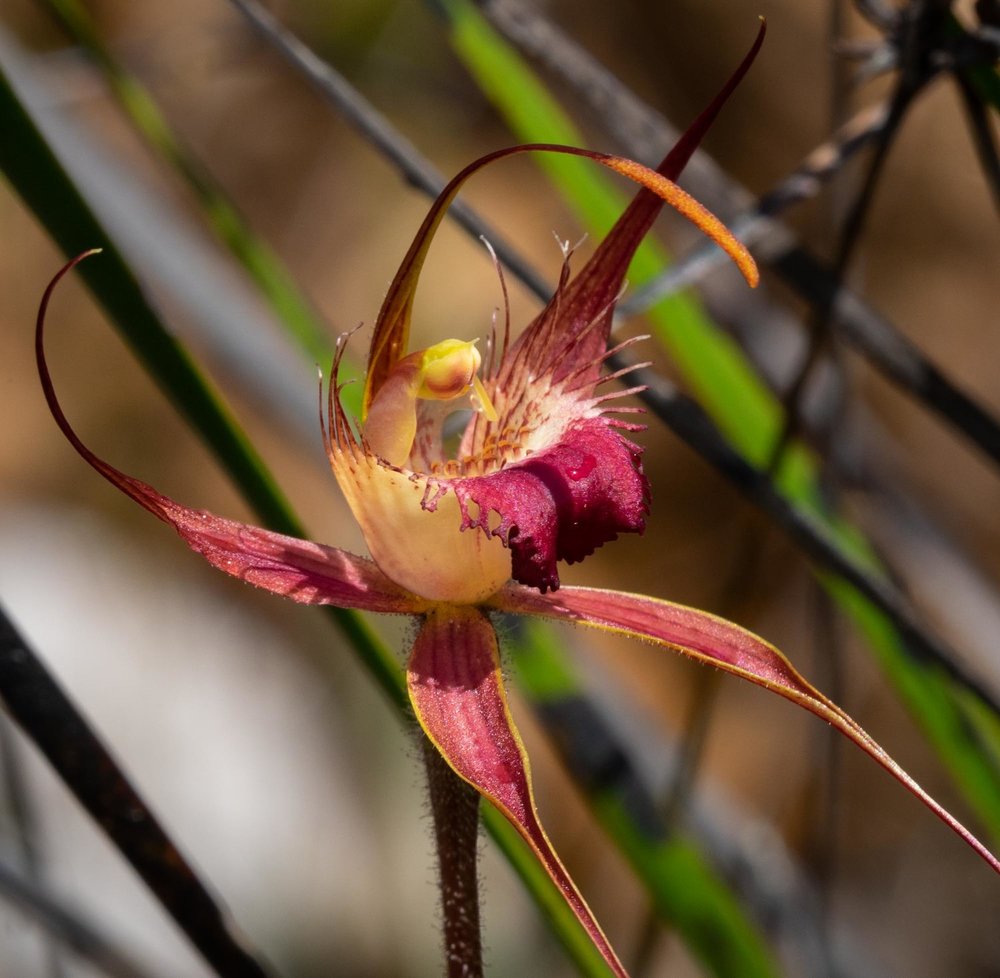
[
  {"x": 306, "y": 572},
  {"x": 457, "y": 692},
  {"x": 721, "y": 643}
]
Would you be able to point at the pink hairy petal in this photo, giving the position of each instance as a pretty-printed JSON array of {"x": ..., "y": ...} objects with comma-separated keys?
[
  {"x": 458, "y": 696},
  {"x": 563, "y": 502},
  {"x": 309, "y": 573},
  {"x": 720, "y": 643},
  {"x": 595, "y": 288}
]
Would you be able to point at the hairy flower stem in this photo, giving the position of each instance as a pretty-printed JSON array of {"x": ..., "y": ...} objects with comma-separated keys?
[{"x": 456, "y": 829}]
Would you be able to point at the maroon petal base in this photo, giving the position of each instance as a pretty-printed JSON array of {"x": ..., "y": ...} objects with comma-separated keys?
[{"x": 563, "y": 503}]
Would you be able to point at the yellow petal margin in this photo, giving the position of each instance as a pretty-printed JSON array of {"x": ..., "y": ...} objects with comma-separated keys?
[
  {"x": 457, "y": 693},
  {"x": 721, "y": 643}
]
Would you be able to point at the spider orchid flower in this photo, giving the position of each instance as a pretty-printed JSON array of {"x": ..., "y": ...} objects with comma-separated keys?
[{"x": 543, "y": 472}]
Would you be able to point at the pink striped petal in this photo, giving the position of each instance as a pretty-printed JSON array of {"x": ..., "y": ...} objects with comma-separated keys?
[
  {"x": 458, "y": 696},
  {"x": 309, "y": 573},
  {"x": 720, "y": 643}
]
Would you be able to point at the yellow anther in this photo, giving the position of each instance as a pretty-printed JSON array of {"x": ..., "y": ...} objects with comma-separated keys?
[
  {"x": 440, "y": 373},
  {"x": 447, "y": 369}
]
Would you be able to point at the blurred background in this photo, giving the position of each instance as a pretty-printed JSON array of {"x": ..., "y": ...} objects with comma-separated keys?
[{"x": 253, "y": 731}]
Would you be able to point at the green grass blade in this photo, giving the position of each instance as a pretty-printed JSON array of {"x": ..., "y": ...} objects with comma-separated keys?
[
  {"x": 741, "y": 405},
  {"x": 38, "y": 177},
  {"x": 263, "y": 266},
  {"x": 574, "y": 939}
]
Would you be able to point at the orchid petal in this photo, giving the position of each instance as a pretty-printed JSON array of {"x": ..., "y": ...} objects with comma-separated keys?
[
  {"x": 389, "y": 340},
  {"x": 720, "y": 643},
  {"x": 578, "y": 319},
  {"x": 595, "y": 288},
  {"x": 309, "y": 573},
  {"x": 458, "y": 696},
  {"x": 414, "y": 530}
]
